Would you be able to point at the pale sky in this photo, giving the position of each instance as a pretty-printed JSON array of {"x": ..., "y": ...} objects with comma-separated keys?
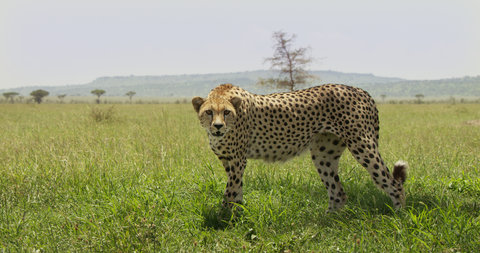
[{"x": 59, "y": 42}]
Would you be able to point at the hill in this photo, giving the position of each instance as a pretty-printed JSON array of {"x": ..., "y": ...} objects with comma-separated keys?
[
  {"x": 200, "y": 84},
  {"x": 456, "y": 87}
]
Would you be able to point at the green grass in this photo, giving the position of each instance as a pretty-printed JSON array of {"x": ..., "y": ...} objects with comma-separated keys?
[{"x": 144, "y": 179}]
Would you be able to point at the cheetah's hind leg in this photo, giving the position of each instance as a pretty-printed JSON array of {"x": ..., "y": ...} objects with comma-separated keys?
[{"x": 367, "y": 154}]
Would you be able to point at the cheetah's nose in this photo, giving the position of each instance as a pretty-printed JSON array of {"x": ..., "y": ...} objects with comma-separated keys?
[{"x": 218, "y": 126}]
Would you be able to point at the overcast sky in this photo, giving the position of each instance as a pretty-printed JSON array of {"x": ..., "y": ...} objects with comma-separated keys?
[{"x": 59, "y": 42}]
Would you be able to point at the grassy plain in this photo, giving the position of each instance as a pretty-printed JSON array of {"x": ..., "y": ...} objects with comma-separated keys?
[{"x": 146, "y": 180}]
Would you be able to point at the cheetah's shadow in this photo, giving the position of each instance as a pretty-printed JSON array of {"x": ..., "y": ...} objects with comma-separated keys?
[
  {"x": 362, "y": 199},
  {"x": 219, "y": 218}
]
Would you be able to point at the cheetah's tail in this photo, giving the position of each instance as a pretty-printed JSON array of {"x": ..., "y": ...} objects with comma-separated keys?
[{"x": 400, "y": 171}]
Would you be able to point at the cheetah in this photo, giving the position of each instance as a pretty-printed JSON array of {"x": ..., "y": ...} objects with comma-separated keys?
[{"x": 325, "y": 119}]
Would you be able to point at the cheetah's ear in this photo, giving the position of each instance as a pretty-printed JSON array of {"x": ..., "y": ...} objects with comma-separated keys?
[
  {"x": 197, "y": 102},
  {"x": 236, "y": 102}
]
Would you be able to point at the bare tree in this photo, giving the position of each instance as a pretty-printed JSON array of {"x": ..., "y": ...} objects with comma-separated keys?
[{"x": 290, "y": 62}]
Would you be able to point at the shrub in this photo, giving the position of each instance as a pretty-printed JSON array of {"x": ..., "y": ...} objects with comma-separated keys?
[{"x": 98, "y": 114}]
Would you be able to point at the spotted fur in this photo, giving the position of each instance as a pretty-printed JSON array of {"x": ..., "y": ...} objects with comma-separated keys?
[{"x": 325, "y": 119}]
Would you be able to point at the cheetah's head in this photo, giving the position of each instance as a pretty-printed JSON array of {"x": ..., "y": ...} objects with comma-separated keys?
[{"x": 216, "y": 114}]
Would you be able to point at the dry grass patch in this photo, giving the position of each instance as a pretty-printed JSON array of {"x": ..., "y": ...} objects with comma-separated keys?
[{"x": 475, "y": 122}]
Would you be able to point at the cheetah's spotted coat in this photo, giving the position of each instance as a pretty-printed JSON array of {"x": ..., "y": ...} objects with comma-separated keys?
[{"x": 325, "y": 119}]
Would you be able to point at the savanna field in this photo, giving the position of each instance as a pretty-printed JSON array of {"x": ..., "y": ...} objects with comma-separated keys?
[{"x": 143, "y": 178}]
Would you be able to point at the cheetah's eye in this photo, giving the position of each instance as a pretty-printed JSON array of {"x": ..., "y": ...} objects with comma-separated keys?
[
  {"x": 226, "y": 112},
  {"x": 209, "y": 112}
]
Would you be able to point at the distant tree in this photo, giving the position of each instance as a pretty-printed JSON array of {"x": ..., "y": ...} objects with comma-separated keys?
[
  {"x": 289, "y": 62},
  {"x": 452, "y": 100},
  {"x": 130, "y": 94},
  {"x": 98, "y": 93},
  {"x": 10, "y": 95},
  {"x": 383, "y": 96},
  {"x": 61, "y": 97},
  {"x": 38, "y": 95},
  {"x": 419, "y": 98}
]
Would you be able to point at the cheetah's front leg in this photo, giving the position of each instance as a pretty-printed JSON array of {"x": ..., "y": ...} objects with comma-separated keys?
[{"x": 233, "y": 192}]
